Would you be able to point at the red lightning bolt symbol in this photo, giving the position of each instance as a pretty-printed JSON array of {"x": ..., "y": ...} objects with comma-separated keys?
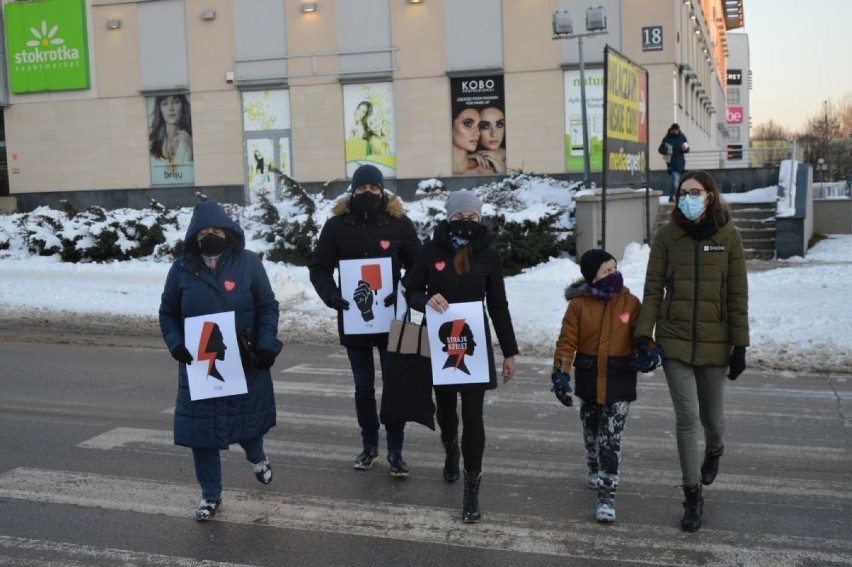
[
  {"x": 203, "y": 353},
  {"x": 459, "y": 348}
]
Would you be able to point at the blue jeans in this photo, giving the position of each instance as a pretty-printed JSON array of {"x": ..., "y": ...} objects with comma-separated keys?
[
  {"x": 208, "y": 466},
  {"x": 364, "y": 373},
  {"x": 675, "y": 182}
]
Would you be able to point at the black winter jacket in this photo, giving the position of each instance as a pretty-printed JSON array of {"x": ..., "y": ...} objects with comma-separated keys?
[
  {"x": 351, "y": 234},
  {"x": 433, "y": 273},
  {"x": 677, "y": 161}
]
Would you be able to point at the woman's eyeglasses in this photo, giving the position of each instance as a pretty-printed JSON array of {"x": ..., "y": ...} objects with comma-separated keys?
[{"x": 694, "y": 192}]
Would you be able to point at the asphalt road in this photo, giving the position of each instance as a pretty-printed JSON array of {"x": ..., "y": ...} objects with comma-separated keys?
[{"x": 89, "y": 475}]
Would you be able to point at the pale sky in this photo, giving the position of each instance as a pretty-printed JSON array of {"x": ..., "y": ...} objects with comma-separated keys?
[{"x": 800, "y": 53}]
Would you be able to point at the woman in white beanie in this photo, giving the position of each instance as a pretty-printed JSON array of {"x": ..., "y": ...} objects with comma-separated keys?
[{"x": 458, "y": 265}]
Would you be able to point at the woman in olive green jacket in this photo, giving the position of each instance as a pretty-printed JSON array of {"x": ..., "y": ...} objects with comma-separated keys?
[{"x": 696, "y": 295}]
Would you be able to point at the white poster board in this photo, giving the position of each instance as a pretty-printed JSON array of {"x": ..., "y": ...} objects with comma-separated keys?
[
  {"x": 365, "y": 283},
  {"x": 216, "y": 369},
  {"x": 458, "y": 344},
  {"x": 401, "y": 306}
]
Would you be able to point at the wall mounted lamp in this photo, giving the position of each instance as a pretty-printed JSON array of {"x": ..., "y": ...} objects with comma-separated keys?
[
  {"x": 208, "y": 15},
  {"x": 308, "y": 7},
  {"x": 415, "y": 1},
  {"x": 113, "y": 24}
]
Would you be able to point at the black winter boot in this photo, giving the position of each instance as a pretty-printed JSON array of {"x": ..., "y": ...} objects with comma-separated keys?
[
  {"x": 710, "y": 466},
  {"x": 451, "y": 462},
  {"x": 471, "y": 513},
  {"x": 693, "y": 508}
]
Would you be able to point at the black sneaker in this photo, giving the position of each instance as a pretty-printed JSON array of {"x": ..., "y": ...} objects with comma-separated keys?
[
  {"x": 207, "y": 509},
  {"x": 365, "y": 460},
  {"x": 262, "y": 471},
  {"x": 397, "y": 465}
]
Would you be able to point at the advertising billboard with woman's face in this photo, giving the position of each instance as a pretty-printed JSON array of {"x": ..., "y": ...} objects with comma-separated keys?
[
  {"x": 478, "y": 125},
  {"x": 368, "y": 120},
  {"x": 170, "y": 140}
]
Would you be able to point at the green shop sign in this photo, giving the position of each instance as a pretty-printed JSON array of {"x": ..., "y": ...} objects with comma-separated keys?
[{"x": 47, "y": 45}]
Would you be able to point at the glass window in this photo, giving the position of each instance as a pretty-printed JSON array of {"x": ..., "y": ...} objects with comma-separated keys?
[{"x": 733, "y": 95}]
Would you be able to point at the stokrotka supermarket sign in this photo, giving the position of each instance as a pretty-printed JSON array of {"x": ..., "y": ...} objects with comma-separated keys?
[{"x": 47, "y": 46}]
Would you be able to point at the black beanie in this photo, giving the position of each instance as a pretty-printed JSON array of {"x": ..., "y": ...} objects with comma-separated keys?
[
  {"x": 368, "y": 174},
  {"x": 591, "y": 262}
]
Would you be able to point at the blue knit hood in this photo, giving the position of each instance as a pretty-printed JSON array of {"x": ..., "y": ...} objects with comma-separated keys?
[{"x": 210, "y": 213}]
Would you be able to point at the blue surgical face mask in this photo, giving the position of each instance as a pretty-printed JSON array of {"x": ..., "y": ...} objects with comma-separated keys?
[{"x": 691, "y": 207}]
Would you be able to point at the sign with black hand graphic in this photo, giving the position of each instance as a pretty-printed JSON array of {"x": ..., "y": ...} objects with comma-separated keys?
[{"x": 365, "y": 284}]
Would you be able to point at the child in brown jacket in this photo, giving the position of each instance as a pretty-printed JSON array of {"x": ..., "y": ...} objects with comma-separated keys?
[{"x": 597, "y": 340}]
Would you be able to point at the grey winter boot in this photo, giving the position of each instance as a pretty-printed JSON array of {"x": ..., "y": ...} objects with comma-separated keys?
[
  {"x": 471, "y": 513},
  {"x": 451, "y": 462},
  {"x": 693, "y": 508},
  {"x": 606, "y": 506}
]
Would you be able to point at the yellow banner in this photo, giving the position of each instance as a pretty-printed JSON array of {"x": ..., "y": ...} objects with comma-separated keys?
[{"x": 622, "y": 93}]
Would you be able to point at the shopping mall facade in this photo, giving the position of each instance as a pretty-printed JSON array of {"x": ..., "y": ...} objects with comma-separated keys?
[{"x": 116, "y": 102}]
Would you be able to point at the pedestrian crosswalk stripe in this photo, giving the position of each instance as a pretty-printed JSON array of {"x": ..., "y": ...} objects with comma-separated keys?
[
  {"x": 159, "y": 441},
  {"x": 653, "y": 398},
  {"x": 424, "y": 524},
  {"x": 85, "y": 554}
]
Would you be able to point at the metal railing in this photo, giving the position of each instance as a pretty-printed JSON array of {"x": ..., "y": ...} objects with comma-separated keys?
[
  {"x": 742, "y": 158},
  {"x": 833, "y": 190}
]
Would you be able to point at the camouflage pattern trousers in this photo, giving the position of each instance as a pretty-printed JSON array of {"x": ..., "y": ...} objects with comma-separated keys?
[{"x": 603, "y": 426}]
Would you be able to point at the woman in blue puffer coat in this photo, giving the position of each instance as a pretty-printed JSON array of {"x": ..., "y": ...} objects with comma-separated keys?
[{"x": 217, "y": 274}]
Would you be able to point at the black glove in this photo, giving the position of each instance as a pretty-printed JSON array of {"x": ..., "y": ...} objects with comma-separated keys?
[
  {"x": 562, "y": 387},
  {"x": 264, "y": 359},
  {"x": 737, "y": 364},
  {"x": 363, "y": 297},
  {"x": 180, "y": 354},
  {"x": 390, "y": 299},
  {"x": 338, "y": 303},
  {"x": 647, "y": 356}
]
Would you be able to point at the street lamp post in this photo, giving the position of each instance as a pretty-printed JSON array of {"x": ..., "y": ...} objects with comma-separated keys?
[
  {"x": 563, "y": 28},
  {"x": 825, "y": 128},
  {"x": 820, "y": 166}
]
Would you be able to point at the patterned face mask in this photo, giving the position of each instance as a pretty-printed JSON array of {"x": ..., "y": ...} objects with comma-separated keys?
[{"x": 608, "y": 287}]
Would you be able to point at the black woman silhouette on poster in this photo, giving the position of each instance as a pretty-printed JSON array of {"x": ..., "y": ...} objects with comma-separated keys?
[
  {"x": 457, "y": 338},
  {"x": 211, "y": 348}
]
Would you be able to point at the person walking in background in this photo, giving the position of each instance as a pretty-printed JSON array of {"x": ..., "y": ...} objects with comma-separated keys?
[
  {"x": 672, "y": 148},
  {"x": 366, "y": 223},
  {"x": 596, "y": 338},
  {"x": 459, "y": 264},
  {"x": 217, "y": 274},
  {"x": 696, "y": 297}
]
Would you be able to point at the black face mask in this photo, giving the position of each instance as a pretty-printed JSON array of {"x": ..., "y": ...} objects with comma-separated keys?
[
  {"x": 464, "y": 228},
  {"x": 212, "y": 245},
  {"x": 367, "y": 201}
]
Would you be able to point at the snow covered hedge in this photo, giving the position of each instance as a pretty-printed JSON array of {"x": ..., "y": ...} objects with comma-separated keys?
[{"x": 531, "y": 217}]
